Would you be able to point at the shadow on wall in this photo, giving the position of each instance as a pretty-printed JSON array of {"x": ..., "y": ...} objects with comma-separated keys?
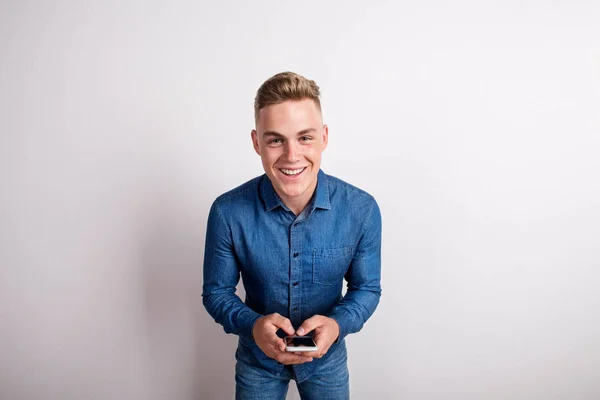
[{"x": 189, "y": 355}]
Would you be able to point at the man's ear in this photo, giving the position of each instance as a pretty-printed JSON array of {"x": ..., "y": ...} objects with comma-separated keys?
[
  {"x": 254, "y": 136},
  {"x": 325, "y": 136}
]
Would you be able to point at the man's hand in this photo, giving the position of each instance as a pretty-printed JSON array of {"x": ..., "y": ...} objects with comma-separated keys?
[
  {"x": 326, "y": 330},
  {"x": 265, "y": 336}
]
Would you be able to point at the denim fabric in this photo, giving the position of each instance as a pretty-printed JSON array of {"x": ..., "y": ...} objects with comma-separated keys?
[
  {"x": 329, "y": 382},
  {"x": 292, "y": 265}
]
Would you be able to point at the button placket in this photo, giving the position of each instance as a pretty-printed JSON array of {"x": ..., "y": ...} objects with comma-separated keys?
[{"x": 295, "y": 273}]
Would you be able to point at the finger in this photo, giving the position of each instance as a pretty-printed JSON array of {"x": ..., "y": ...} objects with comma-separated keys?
[
  {"x": 323, "y": 346},
  {"x": 321, "y": 342},
  {"x": 277, "y": 343},
  {"x": 314, "y": 354},
  {"x": 282, "y": 322},
  {"x": 281, "y": 345},
  {"x": 271, "y": 339},
  {"x": 309, "y": 325},
  {"x": 290, "y": 358}
]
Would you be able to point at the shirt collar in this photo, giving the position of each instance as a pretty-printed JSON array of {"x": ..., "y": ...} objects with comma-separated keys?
[{"x": 320, "y": 198}]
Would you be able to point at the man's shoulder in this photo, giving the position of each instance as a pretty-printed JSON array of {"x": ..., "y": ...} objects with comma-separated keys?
[
  {"x": 244, "y": 193},
  {"x": 344, "y": 191}
]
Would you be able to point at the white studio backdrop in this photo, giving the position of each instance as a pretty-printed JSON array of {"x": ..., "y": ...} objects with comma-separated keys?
[{"x": 476, "y": 126}]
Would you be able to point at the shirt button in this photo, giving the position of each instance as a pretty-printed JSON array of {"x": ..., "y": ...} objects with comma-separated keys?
[
  {"x": 295, "y": 284},
  {"x": 295, "y": 309},
  {"x": 296, "y": 255}
]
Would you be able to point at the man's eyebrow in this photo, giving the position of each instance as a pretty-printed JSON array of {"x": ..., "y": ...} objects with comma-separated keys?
[
  {"x": 273, "y": 133},
  {"x": 305, "y": 131}
]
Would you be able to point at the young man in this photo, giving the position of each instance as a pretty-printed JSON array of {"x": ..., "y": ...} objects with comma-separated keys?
[{"x": 293, "y": 234}]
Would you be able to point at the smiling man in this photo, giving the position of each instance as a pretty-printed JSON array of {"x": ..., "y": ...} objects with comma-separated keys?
[{"x": 293, "y": 234}]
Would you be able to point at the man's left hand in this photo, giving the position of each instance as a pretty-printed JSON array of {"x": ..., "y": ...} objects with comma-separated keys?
[{"x": 326, "y": 330}]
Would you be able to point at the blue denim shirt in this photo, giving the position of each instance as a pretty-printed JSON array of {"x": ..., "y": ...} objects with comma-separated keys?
[{"x": 292, "y": 265}]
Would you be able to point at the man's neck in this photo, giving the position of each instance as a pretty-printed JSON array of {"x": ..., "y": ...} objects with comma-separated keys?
[{"x": 297, "y": 204}]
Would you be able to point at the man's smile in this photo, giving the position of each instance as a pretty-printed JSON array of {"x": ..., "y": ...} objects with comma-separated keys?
[{"x": 292, "y": 172}]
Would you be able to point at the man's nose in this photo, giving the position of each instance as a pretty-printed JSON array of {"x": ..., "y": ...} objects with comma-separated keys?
[{"x": 292, "y": 152}]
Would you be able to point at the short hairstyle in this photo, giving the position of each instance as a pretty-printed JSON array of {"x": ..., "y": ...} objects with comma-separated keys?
[{"x": 285, "y": 86}]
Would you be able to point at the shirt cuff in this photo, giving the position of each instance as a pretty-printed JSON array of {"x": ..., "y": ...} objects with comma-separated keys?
[
  {"x": 247, "y": 325},
  {"x": 344, "y": 322}
]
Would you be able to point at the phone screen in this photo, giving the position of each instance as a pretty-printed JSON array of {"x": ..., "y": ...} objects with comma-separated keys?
[{"x": 300, "y": 341}]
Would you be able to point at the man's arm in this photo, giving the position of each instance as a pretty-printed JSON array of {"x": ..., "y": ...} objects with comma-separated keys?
[
  {"x": 221, "y": 275},
  {"x": 363, "y": 277}
]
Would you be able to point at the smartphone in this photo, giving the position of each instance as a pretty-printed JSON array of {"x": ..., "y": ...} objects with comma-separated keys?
[{"x": 300, "y": 343}]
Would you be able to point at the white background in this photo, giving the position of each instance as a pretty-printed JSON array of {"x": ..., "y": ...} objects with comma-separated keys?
[{"x": 476, "y": 126}]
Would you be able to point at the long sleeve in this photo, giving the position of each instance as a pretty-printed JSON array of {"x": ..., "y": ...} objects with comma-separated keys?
[
  {"x": 363, "y": 277},
  {"x": 221, "y": 275}
]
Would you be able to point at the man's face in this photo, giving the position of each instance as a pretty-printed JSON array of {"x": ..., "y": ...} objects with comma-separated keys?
[{"x": 290, "y": 138}]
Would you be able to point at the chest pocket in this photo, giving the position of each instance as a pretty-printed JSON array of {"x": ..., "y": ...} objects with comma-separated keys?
[{"x": 330, "y": 265}]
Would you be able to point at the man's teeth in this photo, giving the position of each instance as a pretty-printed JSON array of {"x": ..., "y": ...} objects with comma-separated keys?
[{"x": 292, "y": 171}]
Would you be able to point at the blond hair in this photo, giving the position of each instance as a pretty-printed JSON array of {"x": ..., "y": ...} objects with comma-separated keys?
[{"x": 285, "y": 86}]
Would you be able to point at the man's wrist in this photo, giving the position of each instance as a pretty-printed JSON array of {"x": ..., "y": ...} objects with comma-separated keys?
[
  {"x": 253, "y": 326},
  {"x": 338, "y": 329},
  {"x": 339, "y": 326}
]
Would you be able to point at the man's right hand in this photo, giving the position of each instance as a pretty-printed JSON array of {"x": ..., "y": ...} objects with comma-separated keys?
[{"x": 265, "y": 336}]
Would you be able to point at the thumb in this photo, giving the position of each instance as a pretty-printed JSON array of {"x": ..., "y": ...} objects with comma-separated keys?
[{"x": 309, "y": 325}]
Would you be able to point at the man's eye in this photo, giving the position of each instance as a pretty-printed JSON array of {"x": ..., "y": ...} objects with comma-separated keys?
[
  {"x": 305, "y": 138},
  {"x": 276, "y": 141}
]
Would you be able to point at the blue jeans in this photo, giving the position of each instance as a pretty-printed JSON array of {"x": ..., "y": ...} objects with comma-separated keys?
[{"x": 329, "y": 382}]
